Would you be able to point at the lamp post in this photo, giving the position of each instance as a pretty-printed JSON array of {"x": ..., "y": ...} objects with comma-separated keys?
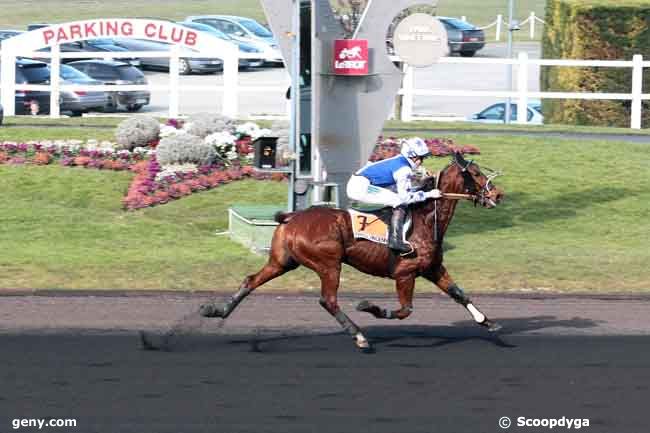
[{"x": 512, "y": 26}]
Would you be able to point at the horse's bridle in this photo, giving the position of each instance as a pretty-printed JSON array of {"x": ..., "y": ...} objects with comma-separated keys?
[
  {"x": 472, "y": 191},
  {"x": 479, "y": 195}
]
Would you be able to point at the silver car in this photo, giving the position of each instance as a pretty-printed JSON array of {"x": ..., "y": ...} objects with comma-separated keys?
[
  {"x": 187, "y": 64},
  {"x": 112, "y": 72},
  {"x": 246, "y": 30},
  {"x": 80, "y": 101},
  {"x": 244, "y": 47}
]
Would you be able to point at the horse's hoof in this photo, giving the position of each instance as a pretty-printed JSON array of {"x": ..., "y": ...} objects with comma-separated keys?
[
  {"x": 491, "y": 326},
  {"x": 210, "y": 310},
  {"x": 146, "y": 342},
  {"x": 364, "y": 306}
]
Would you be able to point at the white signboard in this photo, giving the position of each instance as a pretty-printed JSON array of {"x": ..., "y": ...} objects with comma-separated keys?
[{"x": 420, "y": 40}]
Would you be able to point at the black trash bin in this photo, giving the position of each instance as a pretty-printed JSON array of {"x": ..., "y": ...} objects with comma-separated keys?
[{"x": 265, "y": 150}]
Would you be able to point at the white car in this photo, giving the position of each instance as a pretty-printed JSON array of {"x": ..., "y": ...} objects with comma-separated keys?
[
  {"x": 496, "y": 113},
  {"x": 245, "y": 30}
]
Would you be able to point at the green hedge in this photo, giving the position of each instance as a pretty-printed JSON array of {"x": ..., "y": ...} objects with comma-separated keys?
[{"x": 594, "y": 30}]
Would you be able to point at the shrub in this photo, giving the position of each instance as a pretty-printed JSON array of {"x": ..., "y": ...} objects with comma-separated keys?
[
  {"x": 204, "y": 124},
  {"x": 594, "y": 30},
  {"x": 137, "y": 131},
  {"x": 186, "y": 148}
]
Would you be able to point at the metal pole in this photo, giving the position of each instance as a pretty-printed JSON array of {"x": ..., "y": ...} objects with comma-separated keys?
[
  {"x": 294, "y": 134},
  {"x": 511, "y": 12}
]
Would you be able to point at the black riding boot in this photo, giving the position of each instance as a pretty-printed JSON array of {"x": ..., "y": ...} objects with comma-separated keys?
[{"x": 395, "y": 237}]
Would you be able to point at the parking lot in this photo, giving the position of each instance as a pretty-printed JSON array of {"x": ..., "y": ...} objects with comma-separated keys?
[{"x": 443, "y": 76}]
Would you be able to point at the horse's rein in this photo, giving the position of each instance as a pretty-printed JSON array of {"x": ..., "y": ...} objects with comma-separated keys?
[{"x": 447, "y": 195}]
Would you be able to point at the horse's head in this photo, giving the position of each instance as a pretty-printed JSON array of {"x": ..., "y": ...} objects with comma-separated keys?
[{"x": 466, "y": 177}]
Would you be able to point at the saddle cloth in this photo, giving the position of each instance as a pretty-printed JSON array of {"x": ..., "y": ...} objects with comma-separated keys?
[{"x": 373, "y": 226}]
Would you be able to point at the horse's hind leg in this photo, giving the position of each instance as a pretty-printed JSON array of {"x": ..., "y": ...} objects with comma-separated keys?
[
  {"x": 441, "y": 278},
  {"x": 404, "y": 288},
  {"x": 328, "y": 300},
  {"x": 280, "y": 262}
]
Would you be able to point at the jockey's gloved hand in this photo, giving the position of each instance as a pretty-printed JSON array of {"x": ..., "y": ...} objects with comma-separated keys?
[{"x": 434, "y": 193}]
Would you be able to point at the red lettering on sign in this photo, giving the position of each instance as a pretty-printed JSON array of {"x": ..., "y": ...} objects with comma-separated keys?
[
  {"x": 127, "y": 28},
  {"x": 161, "y": 34},
  {"x": 190, "y": 38},
  {"x": 60, "y": 35},
  {"x": 89, "y": 29},
  {"x": 150, "y": 30},
  {"x": 75, "y": 31},
  {"x": 111, "y": 29},
  {"x": 48, "y": 35},
  {"x": 177, "y": 34}
]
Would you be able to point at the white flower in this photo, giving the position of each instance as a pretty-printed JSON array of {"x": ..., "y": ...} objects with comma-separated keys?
[
  {"x": 221, "y": 138},
  {"x": 173, "y": 170},
  {"x": 168, "y": 131},
  {"x": 248, "y": 128},
  {"x": 263, "y": 133}
]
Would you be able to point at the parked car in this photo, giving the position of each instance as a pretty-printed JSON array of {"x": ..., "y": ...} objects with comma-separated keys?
[
  {"x": 246, "y": 30},
  {"x": 80, "y": 101},
  {"x": 463, "y": 38},
  {"x": 6, "y": 34},
  {"x": 496, "y": 113},
  {"x": 187, "y": 64},
  {"x": 89, "y": 46},
  {"x": 32, "y": 101},
  {"x": 113, "y": 72},
  {"x": 244, "y": 47}
]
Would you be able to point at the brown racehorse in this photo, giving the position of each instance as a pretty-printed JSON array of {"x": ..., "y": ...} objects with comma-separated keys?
[{"x": 321, "y": 239}]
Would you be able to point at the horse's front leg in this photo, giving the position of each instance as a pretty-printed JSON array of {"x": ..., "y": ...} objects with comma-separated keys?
[
  {"x": 404, "y": 287},
  {"x": 440, "y": 277}
]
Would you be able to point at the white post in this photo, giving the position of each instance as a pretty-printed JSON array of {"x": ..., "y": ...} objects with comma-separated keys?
[
  {"x": 174, "y": 81},
  {"x": 522, "y": 88},
  {"x": 407, "y": 100},
  {"x": 532, "y": 24},
  {"x": 637, "y": 90},
  {"x": 463, "y": 18},
  {"x": 55, "y": 75},
  {"x": 230, "y": 83},
  {"x": 8, "y": 82},
  {"x": 499, "y": 24}
]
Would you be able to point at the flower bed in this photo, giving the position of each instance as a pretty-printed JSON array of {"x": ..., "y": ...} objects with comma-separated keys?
[
  {"x": 154, "y": 184},
  {"x": 148, "y": 189}
]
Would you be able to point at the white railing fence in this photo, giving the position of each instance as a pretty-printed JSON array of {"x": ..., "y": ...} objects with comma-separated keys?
[
  {"x": 230, "y": 87},
  {"x": 522, "y": 94},
  {"x": 500, "y": 22}
]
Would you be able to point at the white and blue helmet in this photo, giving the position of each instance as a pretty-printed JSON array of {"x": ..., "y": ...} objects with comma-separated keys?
[{"x": 414, "y": 147}]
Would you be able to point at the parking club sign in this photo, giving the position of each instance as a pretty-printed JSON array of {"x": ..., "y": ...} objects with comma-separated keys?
[{"x": 351, "y": 57}]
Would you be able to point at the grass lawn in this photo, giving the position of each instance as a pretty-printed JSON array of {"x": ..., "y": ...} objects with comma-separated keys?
[{"x": 575, "y": 219}]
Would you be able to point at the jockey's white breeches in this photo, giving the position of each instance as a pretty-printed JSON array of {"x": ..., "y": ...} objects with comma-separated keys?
[{"x": 360, "y": 189}]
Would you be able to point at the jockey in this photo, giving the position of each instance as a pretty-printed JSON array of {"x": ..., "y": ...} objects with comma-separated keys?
[{"x": 388, "y": 183}]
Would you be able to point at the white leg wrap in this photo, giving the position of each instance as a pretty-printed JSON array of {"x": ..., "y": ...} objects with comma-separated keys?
[
  {"x": 478, "y": 316},
  {"x": 361, "y": 340}
]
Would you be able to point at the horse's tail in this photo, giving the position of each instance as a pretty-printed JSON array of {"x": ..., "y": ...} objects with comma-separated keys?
[{"x": 283, "y": 217}]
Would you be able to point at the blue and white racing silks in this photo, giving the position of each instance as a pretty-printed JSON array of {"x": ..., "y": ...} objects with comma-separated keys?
[{"x": 394, "y": 174}]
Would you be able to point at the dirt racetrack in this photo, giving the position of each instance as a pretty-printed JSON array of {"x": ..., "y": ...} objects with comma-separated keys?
[{"x": 281, "y": 364}]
